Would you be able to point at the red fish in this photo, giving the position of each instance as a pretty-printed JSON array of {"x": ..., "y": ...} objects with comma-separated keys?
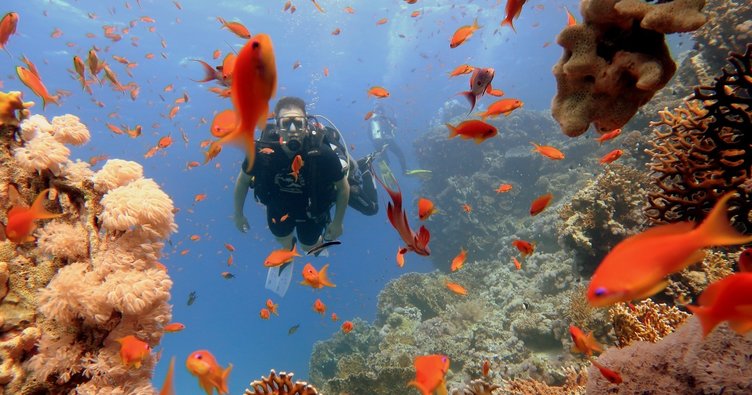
[
  {"x": 583, "y": 343},
  {"x": 486, "y": 367},
  {"x": 638, "y": 266},
  {"x": 611, "y": 156},
  {"x": 133, "y": 351},
  {"x": 610, "y": 375},
  {"x": 608, "y": 136},
  {"x": 480, "y": 82},
  {"x": 319, "y": 307},
  {"x": 254, "y": 83},
  {"x": 210, "y": 374},
  {"x": 429, "y": 373},
  {"x": 398, "y": 218},
  {"x": 297, "y": 164},
  {"x": 474, "y": 129},
  {"x": 7, "y": 28},
  {"x": 347, "y": 327},
  {"x": 729, "y": 299},
  {"x": 272, "y": 307},
  {"x": 513, "y": 10},
  {"x": 21, "y": 224},
  {"x": 463, "y": 33},
  {"x": 316, "y": 278},
  {"x": 264, "y": 314},
  {"x": 525, "y": 247},
  {"x": 540, "y": 203},
  {"x": 461, "y": 69},
  {"x": 425, "y": 209},
  {"x": 548, "y": 151},
  {"x": 517, "y": 264},
  {"x": 504, "y": 188},
  {"x": 459, "y": 260}
]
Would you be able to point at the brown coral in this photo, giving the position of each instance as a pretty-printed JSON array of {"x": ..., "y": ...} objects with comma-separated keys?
[
  {"x": 574, "y": 384},
  {"x": 645, "y": 321},
  {"x": 281, "y": 384},
  {"x": 704, "y": 149},
  {"x": 13, "y": 109},
  {"x": 476, "y": 387},
  {"x": 611, "y": 66}
]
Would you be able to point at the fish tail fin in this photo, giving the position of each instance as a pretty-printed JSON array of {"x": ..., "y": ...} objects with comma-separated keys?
[
  {"x": 324, "y": 278},
  {"x": 452, "y": 130},
  {"x": 483, "y": 115},
  {"x": 38, "y": 210},
  {"x": 208, "y": 71},
  {"x": 223, "y": 385},
  {"x": 423, "y": 390},
  {"x": 508, "y": 22},
  {"x": 471, "y": 98},
  {"x": 716, "y": 230},
  {"x": 476, "y": 26},
  {"x": 707, "y": 320}
]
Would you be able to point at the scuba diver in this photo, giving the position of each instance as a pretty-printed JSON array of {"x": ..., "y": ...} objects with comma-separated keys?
[
  {"x": 381, "y": 131},
  {"x": 302, "y": 169}
]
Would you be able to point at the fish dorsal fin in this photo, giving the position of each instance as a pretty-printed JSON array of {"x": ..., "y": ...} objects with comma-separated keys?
[
  {"x": 14, "y": 197},
  {"x": 661, "y": 230}
]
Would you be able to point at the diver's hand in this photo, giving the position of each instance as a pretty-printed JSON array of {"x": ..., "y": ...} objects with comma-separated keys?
[
  {"x": 333, "y": 231},
  {"x": 241, "y": 222}
]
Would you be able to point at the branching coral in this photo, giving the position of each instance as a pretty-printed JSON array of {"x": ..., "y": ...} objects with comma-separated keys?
[
  {"x": 704, "y": 149},
  {"x": 573, "y": 385},
  {"x": 646, "y": 321},
  {"x": 281, "y": 384},
  {"x": 690, "y": 282},
  {"x": 611, "y": 65}
]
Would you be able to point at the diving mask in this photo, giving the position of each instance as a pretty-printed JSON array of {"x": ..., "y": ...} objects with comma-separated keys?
[{"x": 292, "y": 131}]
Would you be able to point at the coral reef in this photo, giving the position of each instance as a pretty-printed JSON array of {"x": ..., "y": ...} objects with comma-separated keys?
[
  {"x": 13, "y": 109},
  {"x": 475, "y": 387},
  {"x": 702, "y": 150},
  {"x": 574, "y": 384},
  {"x": 690, "y": 282},
  {"x": 729, "y": 29},
  {"x": 280, "y": 384},
  {"x": 645, "y": 321},
  {"x": 681, "y": 363},
  {"x": 611, "y": 65},
  {"x": 89, "y": 279}
]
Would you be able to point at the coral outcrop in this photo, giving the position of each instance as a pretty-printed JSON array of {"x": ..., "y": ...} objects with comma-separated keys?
[
  {"x": 92, "y": 276},
  {"x": 704, "y": 149},
  {"x": 13, "y": 109},
  {"x": 280, "y": 384},
  {"x": 645, "y": 321},
  {"x": 612, "y": 64}
]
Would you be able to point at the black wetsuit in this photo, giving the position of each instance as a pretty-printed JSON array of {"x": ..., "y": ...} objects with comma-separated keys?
[
  {"x": 381, "y": 133},
  {"x": 307, "y": 201}
]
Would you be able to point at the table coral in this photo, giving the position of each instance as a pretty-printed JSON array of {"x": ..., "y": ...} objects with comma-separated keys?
[
  {"x": 13, "y": 109},
  {"x": 646, "y": 321},
  {"x": 612, "y": 65},
  {"x": 280, "y": 384}
]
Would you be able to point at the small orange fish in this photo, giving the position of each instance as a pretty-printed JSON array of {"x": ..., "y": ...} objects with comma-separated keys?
[
  {"x": 638, "y": 266},
  {"x": 195, "y": 237},
  {"x": 56, "y": 33},
  {"x": 504, "y": 188},
  {"x": 425, "y": 209},
  {"x": 33, "y": 82},
  {"x": 210, "y": 374},
  {"x": 326, "y": 71},
  {"x": 540, "y": 203},
  {"x": 349, "y": 10},
  {"x": 429, "y": 374},
  {"x": 236, "y": 27},
  {"x": 192, "y": 164},
  {"x": 297, "y": 164},
  {"x": 133, "y": 351},
  {"x": 513, "y": 10},
  {"x": 525, "y": 247},
  {"x": 474, "y": 129},
  {"x": 284, "y": 218},
  {"x": 319, "y": 307},
  {"x": 264, "y": 314},
  {"x": 458, "y": 260},
  {"x": 382, "y": 21},
  {"x": 229, "y": 260},
  {"x": 347, "y": 326},
  {"x": 272, "y": 307},
  {"x": 728, "y": 299},
  {"x": 463, "y": 33},
  {"x": 610, "y": 375},
  {"x": 378, "y": 92},
  {"x": 316, "y": 278},
  {"x": 335, "y": 318},
  {"x": 336, "y": 32},
  {"x": 456, "y": 288},
  {"x": 486, "y": 367},
  {"x": 548, "y": 151},
  {"x": 415, "y": 14},
  {"x": 227, "y": 275},
  {"x": 401, "y": 256},
  {"x": 20, "y": 223},
  {"x": 216, "y": 54},
  {"x": 611, "y": 156},
  {"x": 503, "y": 106},
  {"x": 368, "y": 115},
  {"x": 608, "y": 136},
  {"x": 517, "y": 263},
  {"x": 583, "y": 343},
  {"x": 199, "y": 197},
  {"x": 164, "y": 142},
  {"x": 280, "y": 257},
  {"x": 173, "y": 327},
  {"x": 495, "y": 92},
  {"x": 266, "y": 151},
  {"x": 230, "y": 247},
  {"x": 467, "y": 208},
  {"x": 461, "y": 69}
]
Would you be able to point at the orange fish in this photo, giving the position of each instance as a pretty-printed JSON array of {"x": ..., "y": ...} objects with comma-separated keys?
[
  {"x": 610, "y": 375},
  {"x": 608, "y": 136},
  {"x": 297, "y": 164},
  {"x": 463, "y": 33},
  {"x": 571, "y": 21},
  {"x": 401, "y": 256},
  {"x": 548, "y": 151},
  {"x": 415, "y": 14},
  {"x": 459, "y": 260},
  {"x": 264, "y": 314},
  {"x": 611, "y": 156},
  {"x": 382, "y": 21},
  {"x": 349, "y": 10},
  {"x": 467, "y": 208},
  {"x": 280, "y": 257},
  {"x": 504, "y": 188},
  {"x": 425, "y": 209},
  {"x": 272, "y": 307},
  {"x": 7, "y": 28},
  {"x": 335, "y": 318},
  {"x": 347, "y": 326},
  {"x": 495, "y": 92},
  {"x": 368, "y": 115},
  {"x": 461, "y": 69},
  {"x": 284, "y": 218},
  {"x": 456, "y": 288},
  {"x": 336, "y": 32},
  {"x": 173, "y": 327},
  {"x": 266, "y": 151},
  {"x": 133, "y": 351},
  {"x": 192, "y": 164},
  {"x": 316, "y": 278},
  {"x": 211, "y": 375},
  {"x": 168, "y": 388},
  {"x": 540, "y": 203},
  {"x": 474, "y": 129},
  {"x": 429, "y": 374},
  {"x": 729, "y": 299},
  {"x": 398, "y": 218},
  {"x": 513, "y": 10},
  {"x": 378, "y": 92},
  {"x": 223, "y": 123},
  {"x": 195, "y": 237},
  {"x": 318, "y": 7},
  {"x": 216, "y": 54},
  {"x": 319, "y": 307},
  {"x": 199, "y": 197},
  {"x": 525, "y": 247},
  {"x": 503, "y": 106},
  {"x": 583, "y": 343},
  {"x": 236, "y": 27},
  {"x": 326, "y": 71},
  {"x": 254, "y": 82},
  {"x": 229, "y": 260},
  {"x": 33, "y": 82},
  {"x": 637, "y": 267},
  {"x": 20, "y": 223},
  {"x": 486, "y": 367},
  {"x": 517, "y": 263},
  {"x": 56, "y": 33},
  {"x": 230, "y": 247}
]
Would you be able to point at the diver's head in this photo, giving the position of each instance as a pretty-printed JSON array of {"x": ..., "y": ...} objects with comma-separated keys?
[{"x": 292, "y": 123}]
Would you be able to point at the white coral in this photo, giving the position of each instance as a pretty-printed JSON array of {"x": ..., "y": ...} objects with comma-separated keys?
[
  {"x": 116, "y": 173},
  {"x": 42, "y": 152},
  {"x": 77, "y": 172},
  {"x": 70, "y": 130},
  {"x": 32, "y": 125},
  {"x": 66, "y": 295},
  {"x": 135, "y": 292},
  {"x": 63, "y": 240},
  {"x": 138, "y": 204}
]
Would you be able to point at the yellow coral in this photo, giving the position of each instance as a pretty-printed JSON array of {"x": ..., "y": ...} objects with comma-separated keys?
[
  {"x": 645, "y": 321},
  {"x": 574, "y": 384},
  {"x": 13, "y": 109}
]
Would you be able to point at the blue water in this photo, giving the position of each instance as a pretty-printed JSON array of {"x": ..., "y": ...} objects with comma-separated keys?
[{"x": 224, "y": 318}]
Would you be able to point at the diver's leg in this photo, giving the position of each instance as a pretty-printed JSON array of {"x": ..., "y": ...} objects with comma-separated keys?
[
  {"x": 278, "y": 278},
  {"x": 285, "y": 241},
  {"x": 397, "y": 151}
]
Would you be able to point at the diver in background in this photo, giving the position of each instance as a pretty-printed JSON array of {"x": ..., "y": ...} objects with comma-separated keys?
[{"x": 381, "y": 131}]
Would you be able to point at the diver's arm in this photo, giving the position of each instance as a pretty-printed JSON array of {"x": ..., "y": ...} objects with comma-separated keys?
[
  {"x": 343, "y": 195},
  {"x": 239, "y": 195}
]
